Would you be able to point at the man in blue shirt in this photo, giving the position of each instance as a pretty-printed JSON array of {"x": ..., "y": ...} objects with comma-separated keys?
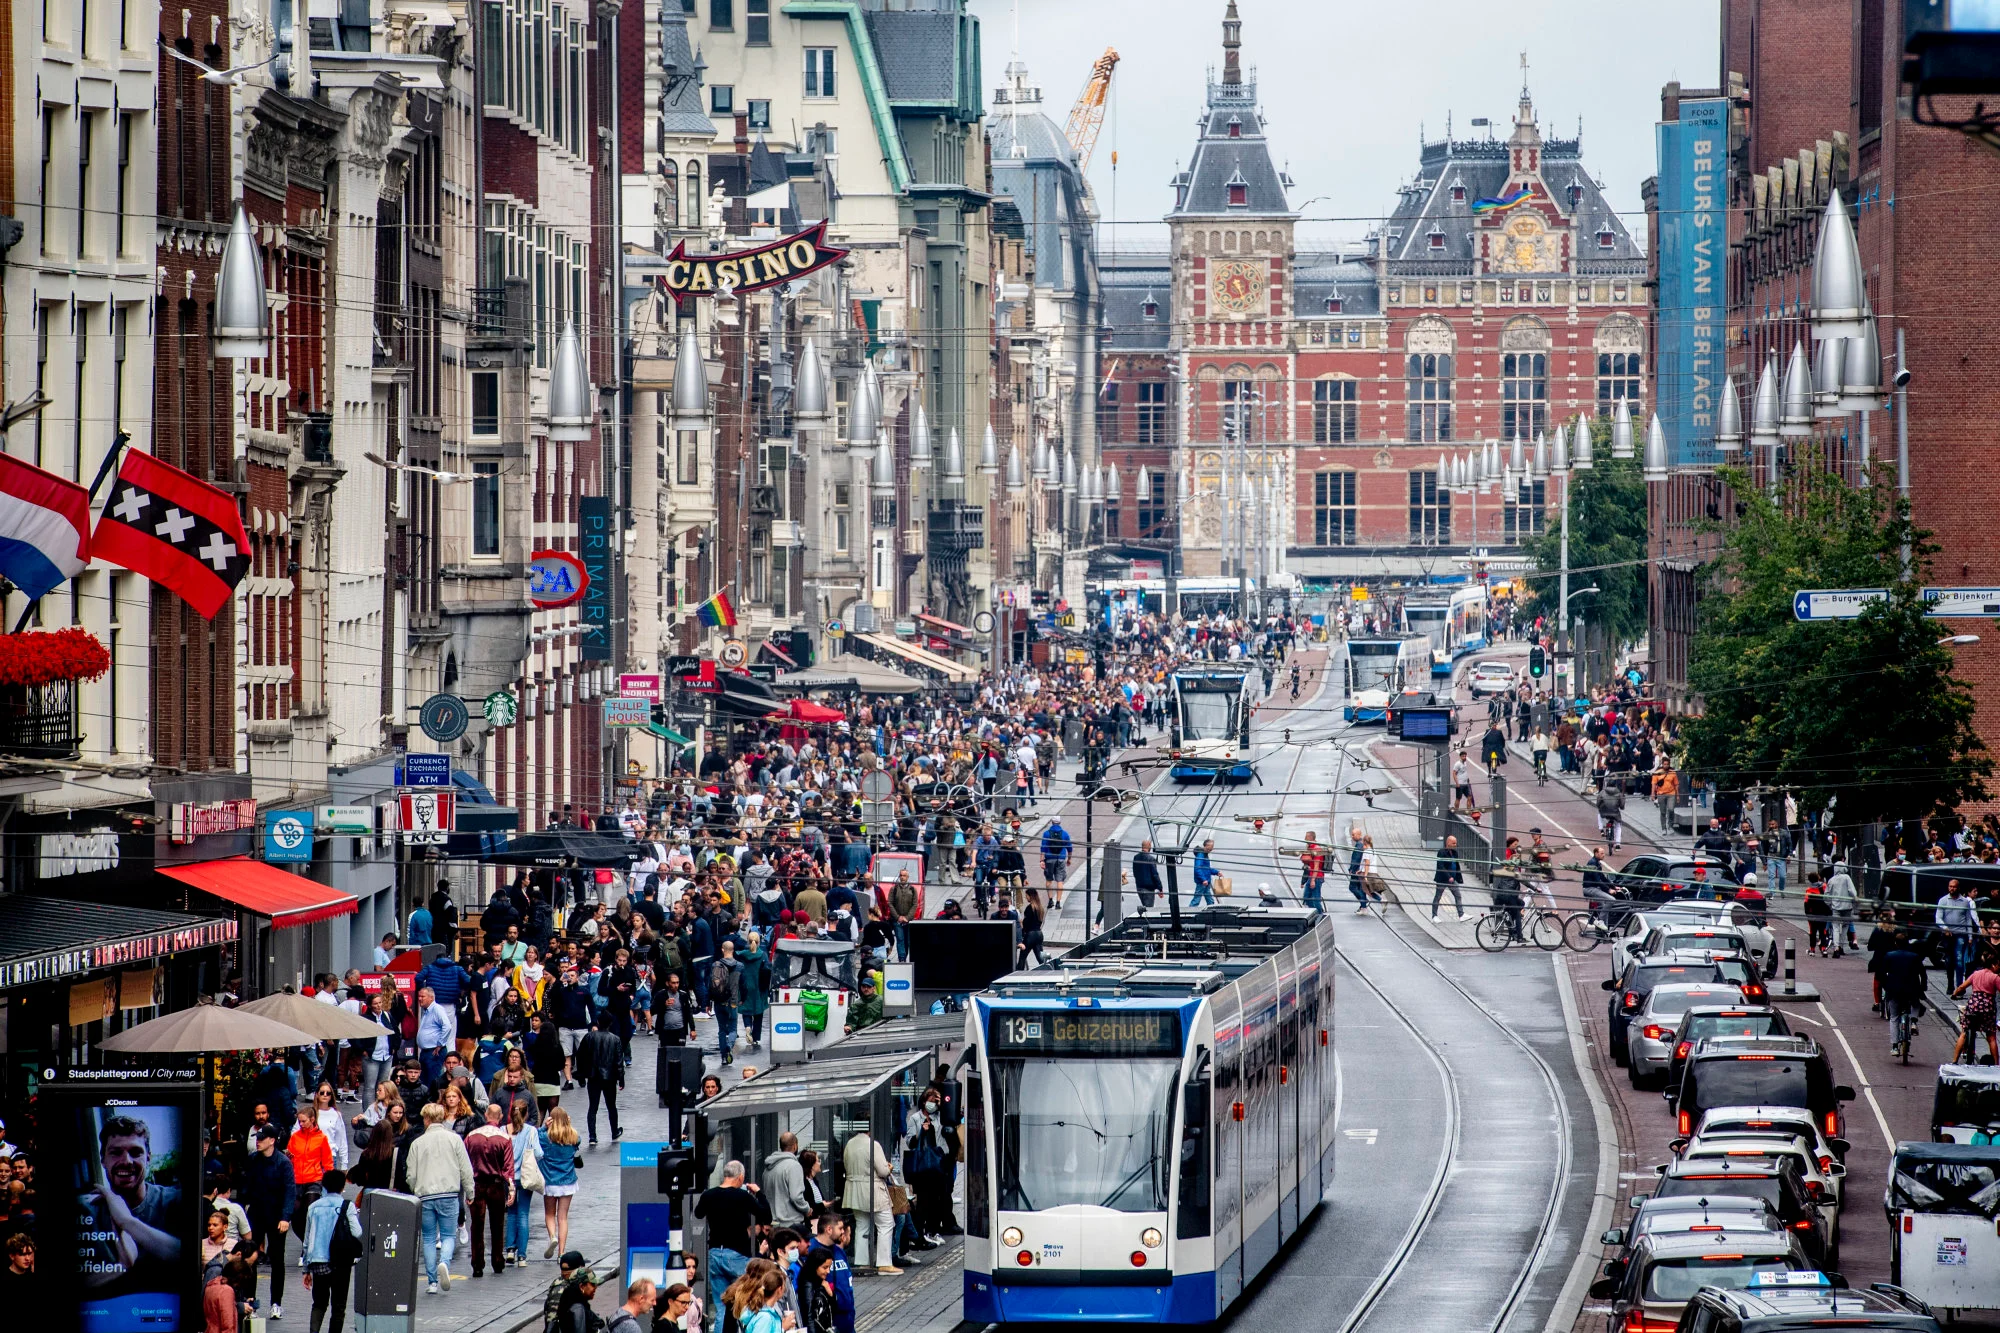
[
  {"x": 420, "y": 925},
  {"x": 985, "y": 864},
  {"x": 1204, "y": 874},
  {"x": 437, "y": 1033},
  {"x": 831, "y": 1233},
  {"x": 1055, "y": 861}
]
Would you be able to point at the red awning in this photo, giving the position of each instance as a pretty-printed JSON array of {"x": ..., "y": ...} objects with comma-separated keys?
[
  {"x": 288, "y": 900},
  {"x": 805, "y": 710},
  {"x": 939, "y": 622}
]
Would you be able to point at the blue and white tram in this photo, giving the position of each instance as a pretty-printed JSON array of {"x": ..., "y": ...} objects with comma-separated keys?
[
  {"x": 1376, "y": 670},
  {"x": 1468, "y": 619},
  {"x": 1151, "y": 1122},
  {"x": 1209, "y": 733},
  {"x": 1432, "y": 619}
]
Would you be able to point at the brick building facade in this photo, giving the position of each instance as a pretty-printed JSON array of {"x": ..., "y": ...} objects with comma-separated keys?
[{"x": 1796, "y": 135}]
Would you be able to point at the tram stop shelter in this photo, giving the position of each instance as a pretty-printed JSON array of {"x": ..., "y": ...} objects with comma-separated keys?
[
  {"x": 906, "y": 1032},
  {"x": 826, "y": 1102}
]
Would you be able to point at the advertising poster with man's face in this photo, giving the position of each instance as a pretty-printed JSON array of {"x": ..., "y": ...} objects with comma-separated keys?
[{"x": 128, "y": 1250}]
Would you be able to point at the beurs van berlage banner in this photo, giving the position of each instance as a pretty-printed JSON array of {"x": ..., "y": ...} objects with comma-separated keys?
[
  {"x": 687, "y": 276},
  {"x": 1693, "y": 244}
]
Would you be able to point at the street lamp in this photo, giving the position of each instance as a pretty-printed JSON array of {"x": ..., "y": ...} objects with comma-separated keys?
[
  {"x": 1621, "y": 429},
  {"x": 920, "y": 440},
  {"x": 1958, "y": 640},
  {"x": 690, "y": 403},
  {"x": 989, "y": 454},
  {"x": 809, "y": 403},
  {"x": 1729, "y": 419},
  {"x": 954, "y": 466},
  {"x": 1017, "y": 481},
  {"x": 1654, "y": 468}
]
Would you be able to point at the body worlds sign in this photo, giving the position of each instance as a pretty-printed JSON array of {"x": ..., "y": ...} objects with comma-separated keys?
[{"x": 688, "y": 276}]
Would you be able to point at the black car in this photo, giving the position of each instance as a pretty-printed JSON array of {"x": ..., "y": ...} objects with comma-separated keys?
[
  {"x": 1629, "y": 992},
  {"x": 1650, "y": 878},
  {"x": 1775, "y": 1180},
  {"x": 1760, "y": 1071},
  {"x": 1802, "y": 1303}
]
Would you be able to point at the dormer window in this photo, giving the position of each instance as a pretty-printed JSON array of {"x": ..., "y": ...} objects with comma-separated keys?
[
  {"x": 1437, "y": 241},
  {"x": 1575, "y": 196},
  {"x": 1605, "y": 240},
  {"x": 1239, "y": 190},
  {"x": 1235, "y": 128},
  {"x": 1458, "y": 194},
  {"x": 1150, "y": 308},
  {"x": 1333, "y": 305}
]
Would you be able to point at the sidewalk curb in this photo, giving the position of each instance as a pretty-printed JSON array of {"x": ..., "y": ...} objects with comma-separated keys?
[{"x": 1568, "y": 1307}]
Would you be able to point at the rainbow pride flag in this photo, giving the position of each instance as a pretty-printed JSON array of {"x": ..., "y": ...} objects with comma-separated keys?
[
  {"x": 1503, "y": 203},
  {"x": 717, "y": 612}
]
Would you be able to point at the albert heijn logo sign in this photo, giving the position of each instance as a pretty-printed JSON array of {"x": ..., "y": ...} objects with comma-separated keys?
[{"x": 687, "y": 276}]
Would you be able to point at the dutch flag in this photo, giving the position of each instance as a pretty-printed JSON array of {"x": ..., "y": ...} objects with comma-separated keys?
[{"x": 44, "y": 527}]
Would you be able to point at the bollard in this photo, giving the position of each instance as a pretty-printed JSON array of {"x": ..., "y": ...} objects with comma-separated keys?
[{"x": 1791, "y": 966}]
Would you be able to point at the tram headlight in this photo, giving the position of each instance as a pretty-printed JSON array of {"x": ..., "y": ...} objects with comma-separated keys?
[
  {"x": 1011, "y": 1237},
  {"x": 1150, "y": 1238}
]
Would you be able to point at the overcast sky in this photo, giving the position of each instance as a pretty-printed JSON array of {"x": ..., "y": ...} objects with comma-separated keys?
[{"x": 1345, "y": 87}]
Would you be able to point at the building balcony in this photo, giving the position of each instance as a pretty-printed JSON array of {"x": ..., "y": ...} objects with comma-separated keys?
[
  {"x": 954, "y": 526},
  {"x": 40, "y": 721}
]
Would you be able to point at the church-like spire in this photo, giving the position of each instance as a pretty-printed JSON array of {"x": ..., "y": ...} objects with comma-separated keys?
[{"x": 1232, "y": 42}]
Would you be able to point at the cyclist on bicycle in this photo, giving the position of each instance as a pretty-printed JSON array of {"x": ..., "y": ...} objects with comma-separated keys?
[
  {"x": 1606, "y": 900},
  {"x": 1538, "y": 746},
  {"x": 1903, "y": 982},
  {"x": 1507, "y": 898},
  {"x": 1295, "y": 682},
  {"x": 1493, "y": 748}
]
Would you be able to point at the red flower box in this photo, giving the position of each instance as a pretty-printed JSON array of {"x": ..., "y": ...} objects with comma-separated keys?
[{"x": 43, "y": 658}]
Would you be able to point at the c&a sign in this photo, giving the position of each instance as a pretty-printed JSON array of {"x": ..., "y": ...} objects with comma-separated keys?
[{"x": 688, "y": 276}]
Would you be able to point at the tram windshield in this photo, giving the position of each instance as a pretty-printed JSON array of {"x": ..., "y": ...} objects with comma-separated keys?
[
  {"x": 1205, "y": 715},
  {"x": 1096, "y": 1132}
]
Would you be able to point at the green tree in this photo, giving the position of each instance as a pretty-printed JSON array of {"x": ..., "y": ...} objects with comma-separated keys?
[
  {"x": 1866, "y": 715},
  {"x": 1607, "y": 541}
]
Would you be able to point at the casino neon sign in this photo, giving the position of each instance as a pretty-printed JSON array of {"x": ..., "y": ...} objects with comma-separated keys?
[{"x": 687, "y": 276}]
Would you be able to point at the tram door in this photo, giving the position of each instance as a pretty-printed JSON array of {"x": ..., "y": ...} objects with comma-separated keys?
[{"x": 1291, "y": 1078}]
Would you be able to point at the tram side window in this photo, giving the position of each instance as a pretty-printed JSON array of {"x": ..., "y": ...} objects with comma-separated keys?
[
  {"x": 1192, "y": 1217},
  {"x": 977, "y": 1205},
  {"x": 1229, "y": 1150}
]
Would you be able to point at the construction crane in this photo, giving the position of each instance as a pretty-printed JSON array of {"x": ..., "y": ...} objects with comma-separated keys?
[{"x": 1086, "y": 118}]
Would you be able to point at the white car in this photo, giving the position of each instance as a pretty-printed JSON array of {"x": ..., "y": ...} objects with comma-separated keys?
[
  {"x": 1692, "y": 915},
  {"x": 1719, "y": 1121},
  {"x": 1491, "y": 678}
]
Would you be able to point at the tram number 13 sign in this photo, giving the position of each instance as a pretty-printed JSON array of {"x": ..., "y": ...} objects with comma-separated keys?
[{"x": 687, "y": 276}]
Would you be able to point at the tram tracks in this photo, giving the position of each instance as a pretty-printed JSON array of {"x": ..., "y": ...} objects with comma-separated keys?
[{"x": 1374, "y": 1298}]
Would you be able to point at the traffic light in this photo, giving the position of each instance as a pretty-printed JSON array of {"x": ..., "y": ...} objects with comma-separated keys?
[{"x": 1538, "y": 662}]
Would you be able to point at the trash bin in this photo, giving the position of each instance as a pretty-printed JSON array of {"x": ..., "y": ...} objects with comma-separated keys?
[{"x": 385, "y": 1277}]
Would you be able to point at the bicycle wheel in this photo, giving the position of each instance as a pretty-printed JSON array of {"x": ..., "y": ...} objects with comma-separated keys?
[
  {"x": 1581, "y": 933},
  {"x": 1546, "y": 930},
  {"x": 1491, "y": 932}
]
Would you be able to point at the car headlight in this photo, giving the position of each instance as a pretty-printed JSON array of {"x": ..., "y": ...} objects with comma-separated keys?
[
  {"x": 1011, "y": 1237},
  {"x": 1150, "y": 1238}
]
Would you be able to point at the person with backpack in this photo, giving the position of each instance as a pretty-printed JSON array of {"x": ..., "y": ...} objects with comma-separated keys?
[
  {"x": 674, "y": 1020},
  {"x": 333, "y": 1244},
  {"x": 725, "y": 992},
  {"x": 568, "y": 1269},
  {"x": 600, "y": 1063}
]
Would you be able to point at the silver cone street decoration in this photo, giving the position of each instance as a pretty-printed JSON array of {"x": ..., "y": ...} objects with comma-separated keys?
[
  {"x": 1143, "y": 489},
  {"x": 1583, "y": 457},
  {"x": 1764, "y": 407},
  {"x": 1655, "y": 463},
  {"x": 1827, "y": 365},
  {"x": 1861, "y": 370},
  {"x": 1559, "y": 451},
  {"x": 1112, "y": 483},
  {"x": 1541, "y": 455},
  {"x": 242, "y": 317},
  {"x": 569, "y": 389},
  {"x": 1729, "y": 419},
  {"x": 989, "y": 454},
  {"x": 920, "y": 440},
  {"x": 1839, "y": 293},
  {"x": 954, "y": 459},
  {"x": 1795, "y": 413},
  {"x": 1069, "y": 478},
  {"x": 1017, "y": 480},
  {"x": 1515, "y": 461},
  {"x": 809, "y": 401},
  {"x": 690, "y": 400},
  {"x": 863, "y": 412},
  {"x": 1621, "y": 430}
]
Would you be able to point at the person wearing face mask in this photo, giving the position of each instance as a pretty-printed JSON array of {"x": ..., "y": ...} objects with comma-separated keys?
[{"x": 927, "y": 1166}]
